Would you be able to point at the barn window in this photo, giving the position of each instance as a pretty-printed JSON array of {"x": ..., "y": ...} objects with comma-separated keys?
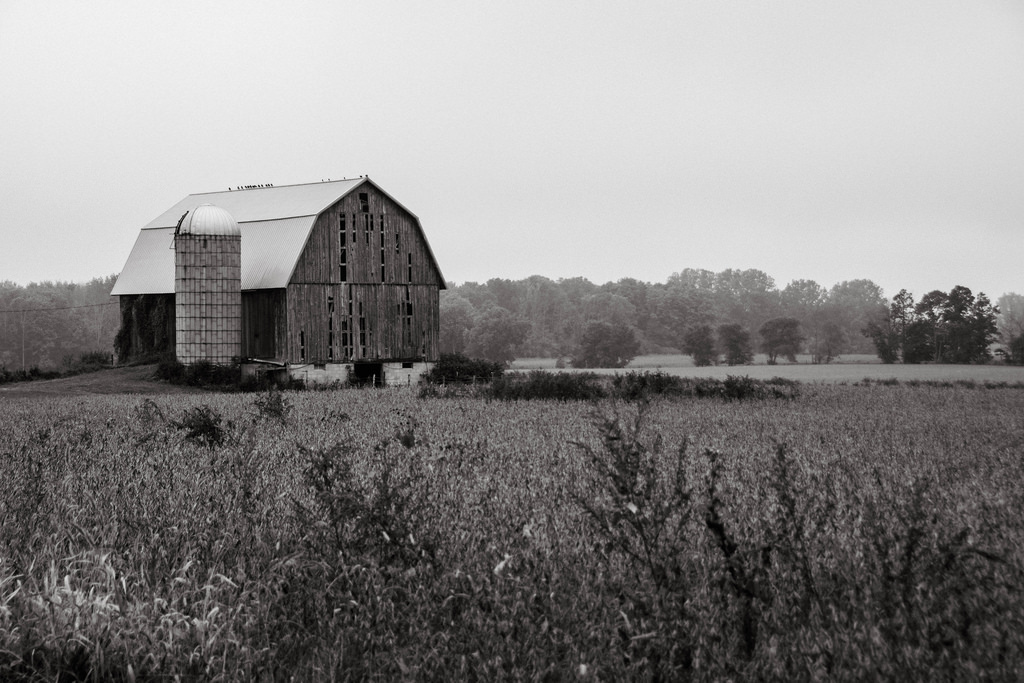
[
  {"x": 405, "y": 311},
  {"x": 341, "y": 229},
  {"x": 330, "y": 328},
  {"x": 302, "y": 345},
  {"x": 367, "y": 224},
  {"x": 364, "y": 202},
  {"x": 344, "y": 265},
  {"x": 410, "y": 266},
  {"x": 382, "y": 250},
  {"x": 347, "y": 331},
  {"x": 398, "y": 247},
  {"x": 362, "y": 331}
]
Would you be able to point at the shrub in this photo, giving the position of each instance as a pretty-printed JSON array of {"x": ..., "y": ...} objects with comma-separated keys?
[
  {"x": 205, "y": 373},
  {"x": 384, "y": 521},
  {"x": 456, "y": 368},
  {"x": 642, "y": 512},
  {"x": 90, "y": 361},
  {"x": 33, "y": 373},
  {"x": 740, "y": 388},
  {"x": 636, "y": 386},
  {"x": 559, "y": 386},
  {"x": 201, "y": 373},
  {"x": 202, "y": 425},
  {"x": 273, "y": 406},
  {"x": 170, "y": 370}
]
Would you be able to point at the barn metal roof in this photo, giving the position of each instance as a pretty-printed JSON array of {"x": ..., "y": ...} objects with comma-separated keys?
[
  {"x": 263, "y": 203},
  {"x": 150, "y": 266},
  {"x": 269, "y": 252},
  {"x": 275, "y": 223}
]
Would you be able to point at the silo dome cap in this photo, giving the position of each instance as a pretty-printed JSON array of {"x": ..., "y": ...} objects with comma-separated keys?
[{"x": 207, "y": 219}]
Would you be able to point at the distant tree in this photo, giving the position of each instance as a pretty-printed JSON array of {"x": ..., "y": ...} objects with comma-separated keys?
[
  {"x": 496, "y": 335},
  {"x": 699, "y": 342},
  {"x": 734, "y": 341},
  {"x": 890, "y": 331},
  {"x": 554, "y": 321},
  {"x": 961, "y": 325},
  {"x": 747, "y": 297},
  {"x": 606, "y": 345},
  {"x": 918, "y": 342},
  {"x": 970, "y": 326},
  {"x": 677, "y": 306},
  {"x": 635, "y": 292},
  {"x": 827, "y": 343},
  {"x": 928, "y": 318},
  {"x": 802, "y": 298},
  {"x": 608, "y": 307},
  {"x": 887, "y": 346},
  {"x": 1011, "y": 316},
  {"x": 957, "y": 327},
  {"x": 1016, "y": 350},
  {"x": 457, "y": 315},
  {"x": 856, "y": 303},
  {"x": 477, "y": 294},
  {"x": 781, "y": 337}
]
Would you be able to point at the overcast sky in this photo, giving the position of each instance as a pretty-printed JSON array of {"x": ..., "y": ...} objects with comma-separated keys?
[{"x": 817, "y": 140}]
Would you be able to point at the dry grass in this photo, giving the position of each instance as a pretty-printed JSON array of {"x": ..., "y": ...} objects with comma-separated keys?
[{"x": 854, "y": 533}]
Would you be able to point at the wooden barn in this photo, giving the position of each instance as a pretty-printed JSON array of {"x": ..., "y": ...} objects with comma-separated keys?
[{"x": 336, "y": 281}]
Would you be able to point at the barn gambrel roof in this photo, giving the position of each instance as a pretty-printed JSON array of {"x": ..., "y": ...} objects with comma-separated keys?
[{"x": 275, "y": 223}]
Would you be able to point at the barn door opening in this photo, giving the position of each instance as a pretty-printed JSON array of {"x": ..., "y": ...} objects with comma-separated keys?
[{"x": 371, "y": 374}]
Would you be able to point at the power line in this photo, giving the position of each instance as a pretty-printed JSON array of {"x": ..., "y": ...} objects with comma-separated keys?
[{"x": 60, "y": 308}]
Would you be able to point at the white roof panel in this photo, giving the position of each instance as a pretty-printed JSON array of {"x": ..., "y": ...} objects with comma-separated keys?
[
  {"x": 150, "y": 266},
  {"x": 270, "y": 250}
]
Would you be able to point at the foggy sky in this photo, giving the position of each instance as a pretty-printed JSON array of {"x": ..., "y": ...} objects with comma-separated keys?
[{"x": 824, "y": 141}]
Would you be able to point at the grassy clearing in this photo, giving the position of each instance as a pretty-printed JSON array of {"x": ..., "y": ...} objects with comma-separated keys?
[
  {"x": 846, "y": 370},
  {"x": 852, "y": 533}
]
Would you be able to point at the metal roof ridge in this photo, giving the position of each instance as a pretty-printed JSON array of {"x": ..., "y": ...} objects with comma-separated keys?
[
  {"x": 271, "y": 187},
  {"x": 258, "y": 220}
]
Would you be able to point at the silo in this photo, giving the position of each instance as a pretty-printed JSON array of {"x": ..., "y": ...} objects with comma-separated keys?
[{"x": 208, "y": 287}]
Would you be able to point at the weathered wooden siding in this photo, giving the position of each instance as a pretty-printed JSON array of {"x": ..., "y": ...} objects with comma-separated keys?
[
  {"x": 340, "y": 323},
  {"x": 264, "y": 324},
  {"x": 365, "y": 286}
]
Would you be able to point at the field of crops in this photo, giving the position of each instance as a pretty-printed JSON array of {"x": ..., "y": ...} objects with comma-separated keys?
[{"x": 851, "y": 533}]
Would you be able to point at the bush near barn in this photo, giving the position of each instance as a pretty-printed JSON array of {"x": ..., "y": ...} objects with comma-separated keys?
[{"x": 848, "y": 533}]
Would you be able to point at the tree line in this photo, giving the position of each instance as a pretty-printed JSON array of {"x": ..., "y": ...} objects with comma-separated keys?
[
  {"x": 50, "y": 324},
  {"x": 715, "y": 317}
]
